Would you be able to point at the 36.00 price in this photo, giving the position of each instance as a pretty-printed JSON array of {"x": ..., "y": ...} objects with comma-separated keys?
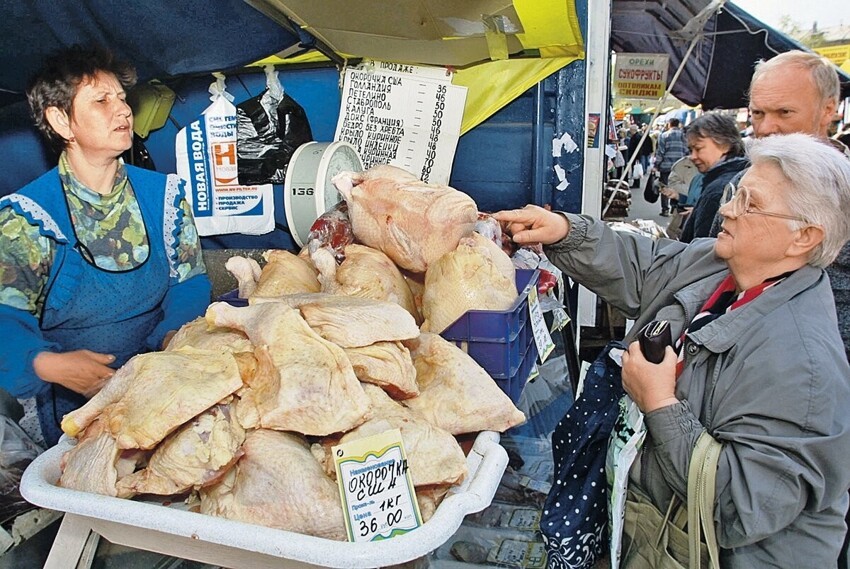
[{"x": 393, "y": 518}]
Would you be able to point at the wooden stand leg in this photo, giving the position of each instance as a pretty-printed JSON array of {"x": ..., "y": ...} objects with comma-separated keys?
[{"x": 73, "y": 539}]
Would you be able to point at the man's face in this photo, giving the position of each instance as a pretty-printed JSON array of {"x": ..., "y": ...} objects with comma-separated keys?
[{"x": 785, "y": 100}]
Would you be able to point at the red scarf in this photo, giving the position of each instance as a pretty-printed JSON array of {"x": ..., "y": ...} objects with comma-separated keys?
[{"x": 722, "y": 301}]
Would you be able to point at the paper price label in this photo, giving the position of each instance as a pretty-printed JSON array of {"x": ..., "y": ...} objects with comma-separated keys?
[
  {"x": 538, "y": 326},
  {"x": 377, "y": 493},
  {"x": 560, "y": 319}
]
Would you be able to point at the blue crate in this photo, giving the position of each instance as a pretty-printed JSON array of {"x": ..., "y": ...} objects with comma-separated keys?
[
  {"x": 501, "y": 326},
  {"x": 232, "y": 298},
  {"x": 518, "y": 381},
  {"x": 501, "y": 341}
]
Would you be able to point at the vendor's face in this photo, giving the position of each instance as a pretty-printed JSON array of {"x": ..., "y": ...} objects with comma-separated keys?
[
  {"x": 705, "y": 153},
  {"x": 101, "y": 121},
  {"x": 751, "y": 242},
  {"x": 785, "y": 100}
]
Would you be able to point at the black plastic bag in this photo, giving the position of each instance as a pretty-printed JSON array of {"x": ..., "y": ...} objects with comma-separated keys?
[
  {"x": 652, "y": 189},
  {"x": 17, "y": 450},
  {"x": 270, "y": 127}
]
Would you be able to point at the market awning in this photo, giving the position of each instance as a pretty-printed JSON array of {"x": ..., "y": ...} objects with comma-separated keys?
[
  {"x": 482, "y": 38},
  {"x": 718, "y": 71},
  {"x": 160, "y": 37}
]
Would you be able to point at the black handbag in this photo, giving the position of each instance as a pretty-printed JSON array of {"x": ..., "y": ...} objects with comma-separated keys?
[{"x": 652, "y": 189}]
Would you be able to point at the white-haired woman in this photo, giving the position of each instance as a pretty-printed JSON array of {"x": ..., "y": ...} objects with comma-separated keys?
[{"x": 761, "y": 364}]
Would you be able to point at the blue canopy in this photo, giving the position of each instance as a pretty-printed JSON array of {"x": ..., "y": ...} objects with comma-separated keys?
[{"x": 162, "y": 38}]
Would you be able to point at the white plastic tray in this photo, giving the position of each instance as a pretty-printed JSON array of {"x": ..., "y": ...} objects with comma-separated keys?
[{"x": 486, "y": 461}]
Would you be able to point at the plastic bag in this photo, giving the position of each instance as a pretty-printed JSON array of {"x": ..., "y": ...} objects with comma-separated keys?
[
  {"x": 207, "y": 159},
  {"x": 332, "y": 230},
  {"x": 637, "y": 171},
  {"x": 17, "y": 450},
  {"x": 652, "y": 189},
  {"x": 626, "y": 441},
  {"x": 270, "y": 127}
]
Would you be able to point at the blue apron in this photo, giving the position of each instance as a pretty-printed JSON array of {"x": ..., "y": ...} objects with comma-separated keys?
[{"x": 89, "y": 308}]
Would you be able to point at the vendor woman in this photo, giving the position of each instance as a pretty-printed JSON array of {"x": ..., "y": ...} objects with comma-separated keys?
[{"x": 99, "y": 260}]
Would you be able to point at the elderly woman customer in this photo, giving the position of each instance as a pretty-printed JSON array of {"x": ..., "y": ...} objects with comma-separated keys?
[
  {"x": 99, "y": 260},
  {"x": 717, "y": 150},
  {"x": 761, "y": 366}
]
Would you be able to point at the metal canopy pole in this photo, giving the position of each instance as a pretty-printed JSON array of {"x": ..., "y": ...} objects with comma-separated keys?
[
  {"x": 693, "y": 30},
  {"x": 645, "y": 134}
]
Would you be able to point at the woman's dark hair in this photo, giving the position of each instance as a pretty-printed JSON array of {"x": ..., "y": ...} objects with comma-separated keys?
[
  {"x": 57, "y": 82},
  {"x": 719, "y": 128}
]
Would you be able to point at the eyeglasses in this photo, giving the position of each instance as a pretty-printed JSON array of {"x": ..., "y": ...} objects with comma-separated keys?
[{"x": 740, "y": 205}]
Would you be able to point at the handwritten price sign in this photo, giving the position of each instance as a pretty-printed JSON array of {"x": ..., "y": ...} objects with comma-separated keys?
[{"x": 377, "y": 494}]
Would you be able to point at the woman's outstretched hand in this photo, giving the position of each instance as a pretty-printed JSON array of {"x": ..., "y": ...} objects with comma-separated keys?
[
  {"x": 533, "y": 224},
  {"x": 82, "y": 371}
]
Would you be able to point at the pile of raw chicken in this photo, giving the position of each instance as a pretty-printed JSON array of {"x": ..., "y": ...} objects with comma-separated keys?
[{"x": 337, "y": 343}]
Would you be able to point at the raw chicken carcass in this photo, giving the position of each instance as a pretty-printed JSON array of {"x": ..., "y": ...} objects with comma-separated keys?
[
  {"x": 247, "y": 272},
  {"x": 455, "y": 392},
  {"x": 353, "y": 322},
  {"x": 475, "y": 276},
  {"x": 433, "y": 455},
  {"x": 164, "y": 390},
  {"x": 314, "y": 390},
  {"x": 387, "y": 365},
  {"x": 278, "y": 483},
  {"x": 285, "y": 273},
  {"x": 90, "y": 465},
  {"x": 349, "y": 321},
  {"x": 147, "y": 365},
  {"x": 503, "y": 262},
  {"x": 198, "y": 334},
  {"x": 414, "y": 223},
  {"x": 79, "y": 419},
  {"x": 365, "y": 273},
  {"x": 193, "y": 456}
]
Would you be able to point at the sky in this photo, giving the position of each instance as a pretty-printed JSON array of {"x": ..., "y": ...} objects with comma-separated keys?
[{"x": 826, "y": 13}]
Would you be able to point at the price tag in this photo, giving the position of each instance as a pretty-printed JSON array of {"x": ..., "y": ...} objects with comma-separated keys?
[
  {"x": 560, "y": 319},
  {"x": 538, "y": 326},
  {"x": 377, "y": 494}
]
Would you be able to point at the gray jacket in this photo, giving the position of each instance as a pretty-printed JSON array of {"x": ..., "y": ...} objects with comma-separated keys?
[{"x": 769, "y": 380}]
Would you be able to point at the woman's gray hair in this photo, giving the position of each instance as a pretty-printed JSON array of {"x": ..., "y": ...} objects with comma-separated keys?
[
  {"x": 819, "y": 186},
  {"x": 719, "y": 128}
]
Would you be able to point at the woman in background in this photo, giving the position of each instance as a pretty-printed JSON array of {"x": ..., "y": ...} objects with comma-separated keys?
[{"x": 717, "y": 150}]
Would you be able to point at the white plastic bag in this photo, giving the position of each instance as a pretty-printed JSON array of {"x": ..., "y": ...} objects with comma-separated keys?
[
  {"x": 637, "y": 171},
  {"x": 626, "y": 440},
  {"x": 207, "y": 161}
]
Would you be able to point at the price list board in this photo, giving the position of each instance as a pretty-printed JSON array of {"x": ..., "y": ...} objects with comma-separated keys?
[{"x": 393, "y": 115}]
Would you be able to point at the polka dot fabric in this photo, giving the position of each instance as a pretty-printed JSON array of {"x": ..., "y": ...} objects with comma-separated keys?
[{"x": 575, "y": 515}]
